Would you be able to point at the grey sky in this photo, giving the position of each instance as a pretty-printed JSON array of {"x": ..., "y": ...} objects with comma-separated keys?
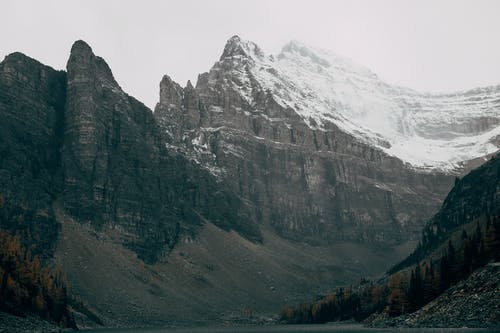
[{"x": 427, "y": 45}]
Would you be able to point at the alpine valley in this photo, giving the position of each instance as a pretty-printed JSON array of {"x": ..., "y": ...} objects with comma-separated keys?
[{"x": 275, "y": 179}]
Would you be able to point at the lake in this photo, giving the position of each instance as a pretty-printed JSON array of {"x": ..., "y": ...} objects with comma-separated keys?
[{"x": 333, "y": 328}]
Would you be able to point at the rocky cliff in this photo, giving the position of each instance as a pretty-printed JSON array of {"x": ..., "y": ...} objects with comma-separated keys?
[
  {"x": 32, "y": 98},
  {"x": 309, "y": 182},
  {"x": 78, "y": 139},
  {"x": 118, "y": 171}
]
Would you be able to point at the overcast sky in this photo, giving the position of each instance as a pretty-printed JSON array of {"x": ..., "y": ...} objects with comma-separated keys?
[{"x": 436, "y": 46}]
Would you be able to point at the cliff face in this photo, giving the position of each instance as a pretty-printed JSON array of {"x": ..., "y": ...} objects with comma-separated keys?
[
  {"x": 313, "y": 184},
  {"x": 116, "y": 171},
  {"x": 32, "y": 98},
  {"x": 78, "y": 139}
]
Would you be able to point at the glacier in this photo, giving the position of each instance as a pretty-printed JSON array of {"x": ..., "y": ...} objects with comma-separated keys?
[{"x": 427, "y": 131}]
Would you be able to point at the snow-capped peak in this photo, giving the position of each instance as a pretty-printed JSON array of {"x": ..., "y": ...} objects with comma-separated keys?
[
  {"x": 428, "y": 131},
  {"x": 237, "y": 47}
]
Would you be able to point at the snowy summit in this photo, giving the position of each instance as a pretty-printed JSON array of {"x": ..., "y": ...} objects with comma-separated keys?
[{"x": 428, "y": 131}]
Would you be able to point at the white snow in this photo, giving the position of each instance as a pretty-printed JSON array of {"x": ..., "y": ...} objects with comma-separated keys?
[
  {"x": 216, "y": 109},
  {"x": 428, "y": 131}
]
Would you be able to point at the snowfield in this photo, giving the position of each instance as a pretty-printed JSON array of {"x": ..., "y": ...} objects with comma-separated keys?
[{"x": 428, "y": 131}]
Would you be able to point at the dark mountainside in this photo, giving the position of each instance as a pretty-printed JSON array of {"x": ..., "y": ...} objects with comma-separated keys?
[
  {"x": 32, "y": 98},
  {"x": 117, "y": 169},
  {"x": 474, "y": 197},
  {"x": 207, "y": 210},
  {"x": 448, "y": 285},
  {"x": 98, "y": 152},
  {"x": 77, "y": 141},
  {"x": 450, "y": 280}
]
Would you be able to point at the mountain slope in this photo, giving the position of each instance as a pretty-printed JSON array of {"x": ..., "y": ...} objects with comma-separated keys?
[
  {"x": 455, "y": 290},
  {"x": 472, "y": 199},
  {"x": 215, "y": 277},
  {"x": 472, "y": 302},
  {"x": 451, "y": 281}
]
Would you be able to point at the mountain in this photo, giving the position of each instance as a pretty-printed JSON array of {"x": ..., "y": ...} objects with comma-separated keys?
[
  {"x": 208, "y": 249},
  {"x": 317, "y": 143},
  {"x": 75, "y": 145},
  {"x": 430, "y": 132},
  {"x": 223, "y": 204},
  {"x": 117, "y": 169},
  {"x": 76, "y": 139},
  {"x": 427, "y": 131}
]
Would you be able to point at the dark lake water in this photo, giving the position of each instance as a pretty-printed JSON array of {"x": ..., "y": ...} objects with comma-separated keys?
[{"x": 295, "y": 329}]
